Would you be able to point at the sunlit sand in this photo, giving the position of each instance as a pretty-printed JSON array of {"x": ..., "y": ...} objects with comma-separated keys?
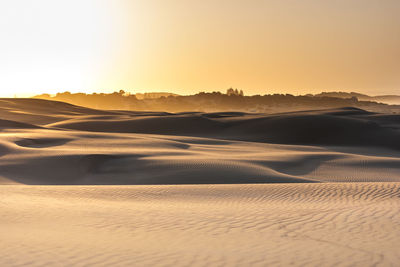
[
  {"x": 288, "y": 224},
  {"x": 88, "y": 187}
]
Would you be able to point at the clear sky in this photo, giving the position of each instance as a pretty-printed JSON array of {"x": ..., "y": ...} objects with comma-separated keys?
[{"x": 186, "y": 46}]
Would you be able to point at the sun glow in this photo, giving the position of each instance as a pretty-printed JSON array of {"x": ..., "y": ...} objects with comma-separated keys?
[
  {"x": 50, "y": 46},
  {"x": 188, "y": 46}
]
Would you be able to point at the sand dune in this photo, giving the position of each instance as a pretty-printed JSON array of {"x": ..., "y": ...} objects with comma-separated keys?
[
  {"x": 304, "y": 188},
  {"x": 350, "y": 224},
  {"x": 70, "y": 157},
  {"x": 40, "y": 112},
  {"x": 347, "y": 126},
  {"x": 121, "y": 147}
]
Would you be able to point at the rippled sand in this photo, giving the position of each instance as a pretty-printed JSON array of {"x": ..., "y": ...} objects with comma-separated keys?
[
  {"x": 84, "y": 187},
  {"x": 344, "y": 224}
]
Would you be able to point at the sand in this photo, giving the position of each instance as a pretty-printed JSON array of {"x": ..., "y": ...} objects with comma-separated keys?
[
  {"x": 335, "y": 224},
  {"x": 83, "y": 187}
]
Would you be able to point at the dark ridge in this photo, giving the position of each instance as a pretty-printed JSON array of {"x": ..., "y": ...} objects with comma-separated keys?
[
  {"x": 8, "y": 124},
  {"x": 348, "y": 126},
  {"x": 41, "y": 142},
  {"x": 53, "y": 106}
]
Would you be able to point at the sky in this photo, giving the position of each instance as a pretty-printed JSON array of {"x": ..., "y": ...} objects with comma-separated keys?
[{"x": 187, "y": 46}]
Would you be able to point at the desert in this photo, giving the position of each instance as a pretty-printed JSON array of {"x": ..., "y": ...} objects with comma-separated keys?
[
  {"x": 199, "y": 133},
  {"x": 313, "y": 187}
]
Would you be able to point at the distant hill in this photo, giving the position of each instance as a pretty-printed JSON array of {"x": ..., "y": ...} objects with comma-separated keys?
[
  {"x": 153, "y": 95},
  {"x": 220, "y": 102},
  {"x": 387, "y": 99}
]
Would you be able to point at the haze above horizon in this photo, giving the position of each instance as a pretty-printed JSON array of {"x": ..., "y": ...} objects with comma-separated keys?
[{"x": 184, "y": 47}]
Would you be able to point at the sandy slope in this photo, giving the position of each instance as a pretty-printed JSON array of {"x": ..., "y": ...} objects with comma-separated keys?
[
  {"x": 304, "y": 188},
  {"x": 45, "y": 142},
  {"x": 333, "y": 224},
  {"x": 71, "y": 157}
]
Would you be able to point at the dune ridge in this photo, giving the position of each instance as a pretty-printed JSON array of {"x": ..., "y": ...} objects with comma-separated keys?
[
  {"x": 85, "y": 146},
  {"x": 70, "y": 157},
  {"x": 347, "y": 126}
]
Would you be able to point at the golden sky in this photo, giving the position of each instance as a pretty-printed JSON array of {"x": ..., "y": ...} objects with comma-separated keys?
[{"x": 186, "y": 46}]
